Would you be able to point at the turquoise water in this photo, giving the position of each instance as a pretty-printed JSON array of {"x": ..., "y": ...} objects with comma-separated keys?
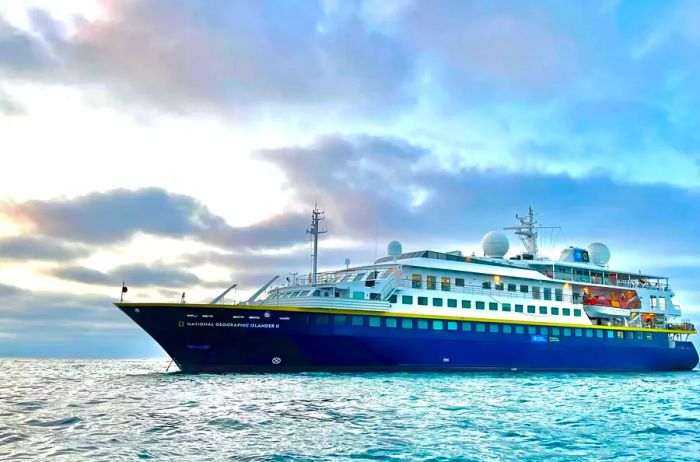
[{"x": 126, "y": 410}]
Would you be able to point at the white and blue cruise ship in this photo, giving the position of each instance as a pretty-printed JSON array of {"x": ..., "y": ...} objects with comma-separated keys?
[{"x": 427, "y": 310}]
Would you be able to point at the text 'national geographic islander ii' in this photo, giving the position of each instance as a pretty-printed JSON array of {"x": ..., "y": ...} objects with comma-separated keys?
[{"x": 428, "y": 310}]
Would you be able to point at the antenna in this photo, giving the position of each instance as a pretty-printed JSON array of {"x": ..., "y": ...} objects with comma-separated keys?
[
  {"x": 527, "y": 231},
  {"x": 316, "y": 217}
]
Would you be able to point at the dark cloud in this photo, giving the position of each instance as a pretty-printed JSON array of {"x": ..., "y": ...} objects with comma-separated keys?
[
  {"x": 39, "y": 248},
  {"x": 115, "y": 216}
]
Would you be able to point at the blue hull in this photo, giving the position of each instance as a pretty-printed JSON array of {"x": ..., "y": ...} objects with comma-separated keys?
[{"x": 233, "y": 339}]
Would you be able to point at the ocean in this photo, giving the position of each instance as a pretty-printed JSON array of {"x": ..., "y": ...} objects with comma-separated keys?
[{"x": 131, "y": 409}]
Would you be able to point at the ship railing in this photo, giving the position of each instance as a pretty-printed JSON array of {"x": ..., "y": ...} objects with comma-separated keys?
[
  {"x": 335, "y": 277},
  {"x": 478, "y": 290}
]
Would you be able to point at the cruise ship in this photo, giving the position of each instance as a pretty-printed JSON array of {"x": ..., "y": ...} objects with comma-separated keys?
[{"x": 437, "y": 311}]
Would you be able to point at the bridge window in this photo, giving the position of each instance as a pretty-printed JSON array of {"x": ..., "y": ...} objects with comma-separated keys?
[
  {"x": 445, "y": 283},
  {"x": 359, "y": 277},
  {"x": 416, "y": 280}
]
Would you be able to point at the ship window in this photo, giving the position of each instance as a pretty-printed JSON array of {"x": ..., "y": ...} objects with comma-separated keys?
[
  {"x": 518, "y": 308},
  {"x": 531, "y": 309},
  {"x": 339, "y": 320},
  {"x": 493, "y": 328},
  {"x": 649, "y": 337},
  {"x": 459, "y": 282},
  {"x": 555, "y": 331},
  {"x": 437, "y": 301},
  {"x": 640, "y": 336},
  {"x": 577, "y": 312},
  {"x": 524, "y": 288},
  {"x": 493, "y": 306},
  {"x": 466, "y": 303},
  {"x": 578, "y": 332},
  {"x": 480, "y": 327},
  {"x": 358, "y": 295},
  {"x": 375, "y": 296},
  {"x": 505, "y": 307},
  {"x": 422, "y": 324},
  {"x": 629, "y": 335},
  {"x": 486, "y": 285},
  {"x": 315, "y": 294},
  {"x": 322, "y": 320},
  {"x": 547, "y": 293},
  {"x": 445, "y": 283},
  {"x": 531, "y": 330},
  {"x": 599, "y": 333},
  {"x": 620, "y": 335},
  {"x": 392, "y": 298},
  {"x": 567, "y": 332},
  {"x": 390, "y": 322},
  {"x": 589, "y": 333},
  {"x": 480, "y": 305},
  {"x": 451, "y": 303},
  {"x": 555, "y": 311},
  {"x": 451, "y": 325},
  {"x": 430, "y": 282},
  {"x": 467, "y": 326},
  {"x": 437, "y": 325},
  {"x": 519, "y": 330},
  {"x": 535, "y": 292},
  {"x": 416, "y": 281},
  {"x": 375, "y": 322},
  {"x": 512, "y": 287},
  {"x": 653, "y": 302},
  {"x": 407, "y": 299},
  {"x": 544, "y": 331},
  {"x": 359, "y": 277},
  {"x": 558, "y": 295},
  {"x": 662, "y": 302},
  {"x": 566, "y": 311},
  {"x": 499, "y": 286},
  {"x": 543, "y": 310},
  {"x": 357, "y": 320},
  {"x": 407, "y": 323},
  {"x": 507, "y": 329},
  {"x": 423, "y": 301},
  {"x": 611, "y": 334}
]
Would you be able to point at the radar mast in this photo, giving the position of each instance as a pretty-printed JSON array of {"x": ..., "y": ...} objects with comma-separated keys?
[
  {"x": 527, "y": 231},
  {"x": 316, "y": 217}
]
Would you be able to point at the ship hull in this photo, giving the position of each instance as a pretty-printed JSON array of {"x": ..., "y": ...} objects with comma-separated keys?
[{"x": 212, "y": 338}]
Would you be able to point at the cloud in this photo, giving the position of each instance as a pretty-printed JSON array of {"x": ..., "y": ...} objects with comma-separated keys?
[
  {"x": 217, "y": 57},
  {"x": 117, "y": 215},
  {"x": 39, "y": 248},
  {"x": 9, "y": 106}
]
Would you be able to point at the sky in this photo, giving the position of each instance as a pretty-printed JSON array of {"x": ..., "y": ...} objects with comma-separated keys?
[{"x": 180, "y": 146}]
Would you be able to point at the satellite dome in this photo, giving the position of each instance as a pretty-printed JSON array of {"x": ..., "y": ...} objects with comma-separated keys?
[
  {"x": 394, "y": 249},
  {"x": 495, "y": 244},
  {"x": 598, "y": 254}
]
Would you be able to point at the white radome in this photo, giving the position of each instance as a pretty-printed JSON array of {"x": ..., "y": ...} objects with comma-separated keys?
[
  {"x": 598, "y": 254},
  {"x": 394, "y": 249},
  {"x": 495, "y": 244}
]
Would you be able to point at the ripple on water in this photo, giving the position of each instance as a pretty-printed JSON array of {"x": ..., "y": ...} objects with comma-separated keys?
[{"x": 66, "y": 422}]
